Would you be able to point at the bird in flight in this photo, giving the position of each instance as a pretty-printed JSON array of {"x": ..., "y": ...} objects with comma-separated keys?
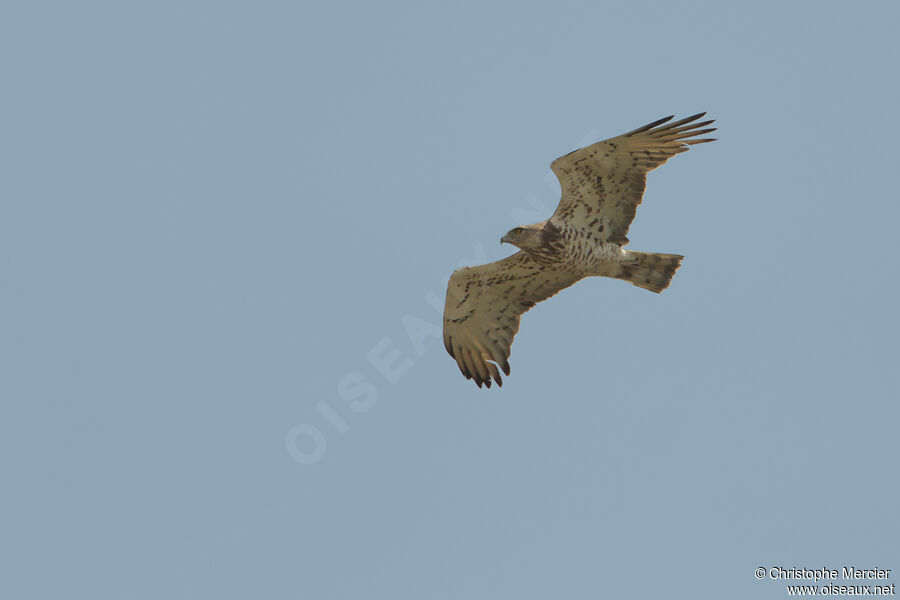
[{"x": 602, "y": 185}]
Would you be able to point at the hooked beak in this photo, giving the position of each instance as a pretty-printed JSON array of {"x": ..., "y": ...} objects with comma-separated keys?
[{"x": 505, "y": 240}]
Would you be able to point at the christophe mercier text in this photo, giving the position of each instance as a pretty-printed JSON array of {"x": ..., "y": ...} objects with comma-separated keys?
[{"x": 827, "y": 574}]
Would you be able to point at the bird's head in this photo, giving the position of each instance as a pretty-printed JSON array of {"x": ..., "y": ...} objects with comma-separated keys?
[{"x": 525, "y": 237}]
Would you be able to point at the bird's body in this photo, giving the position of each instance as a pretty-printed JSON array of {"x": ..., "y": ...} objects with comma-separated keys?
[
  {"x": 602, "y": 185},
  {"x": 580, "y": 252}
]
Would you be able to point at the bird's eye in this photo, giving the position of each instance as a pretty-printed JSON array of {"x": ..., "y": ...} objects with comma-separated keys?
[{"x": 517, "y": 231}]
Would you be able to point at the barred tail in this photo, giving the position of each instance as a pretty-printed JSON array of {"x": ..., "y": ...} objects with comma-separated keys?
[{"x": 648, "y": 270}]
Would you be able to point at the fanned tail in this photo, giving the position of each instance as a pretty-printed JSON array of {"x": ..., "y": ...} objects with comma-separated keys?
[{"x": 650, "y": 271}]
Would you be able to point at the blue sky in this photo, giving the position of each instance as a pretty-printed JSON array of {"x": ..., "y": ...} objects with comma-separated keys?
[{"x": 223, "y": 229}]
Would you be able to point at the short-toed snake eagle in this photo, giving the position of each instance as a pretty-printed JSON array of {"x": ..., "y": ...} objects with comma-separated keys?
[{"x": 602, "y": 186}]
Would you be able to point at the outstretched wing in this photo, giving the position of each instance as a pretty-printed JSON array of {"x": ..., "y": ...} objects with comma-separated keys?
[
  {"x": 602, "y": 184},
  {"x": 483, "y": 307}
]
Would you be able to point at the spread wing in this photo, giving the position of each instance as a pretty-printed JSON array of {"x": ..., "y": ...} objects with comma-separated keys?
[
  {"x": 483, "y": 307},
  {"x": 602, "y": 184}
]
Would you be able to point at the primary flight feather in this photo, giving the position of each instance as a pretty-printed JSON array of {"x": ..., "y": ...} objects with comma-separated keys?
[{"x": 602, "y": 185}]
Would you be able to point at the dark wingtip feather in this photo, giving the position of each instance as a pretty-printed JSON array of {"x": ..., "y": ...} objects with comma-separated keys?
[
  {"x": 683, "y": 121},
  {"x": 650, "y": 125},
  {"x": 691, "y": 118}
]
